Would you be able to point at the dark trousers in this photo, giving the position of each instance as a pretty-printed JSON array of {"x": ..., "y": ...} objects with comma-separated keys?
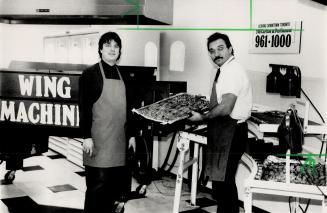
[
  {"x": 225, "y": 192},
  {"x": 104, "y": 186}
]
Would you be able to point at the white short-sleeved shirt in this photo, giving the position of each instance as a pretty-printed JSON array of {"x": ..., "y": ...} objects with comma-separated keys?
[{"x": 233, "y": 79}]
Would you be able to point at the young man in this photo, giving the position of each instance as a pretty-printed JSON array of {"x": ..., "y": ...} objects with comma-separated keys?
[
  {"x": 230, "y": 106},
  {"x": 102, "y": 105}
]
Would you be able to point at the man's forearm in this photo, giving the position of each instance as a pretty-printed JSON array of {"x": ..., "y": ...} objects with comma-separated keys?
[
  {"x": 218, "y": 110},
  {"x": 224, "y": 108}
]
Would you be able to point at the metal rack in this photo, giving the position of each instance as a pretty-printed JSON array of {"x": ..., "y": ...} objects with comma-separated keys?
[
  {"x": 183, "y": 144},
  {"x": 251, "y": 185},
  {"x": 288, "y": 189},
  {"x": 283, "y": 189}
]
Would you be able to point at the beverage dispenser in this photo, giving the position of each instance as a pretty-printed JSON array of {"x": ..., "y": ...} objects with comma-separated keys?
[
  {"x": 291, "y": 82},
  {"x": 273, "y": 79},
  {"x": 288, "y": 84}
]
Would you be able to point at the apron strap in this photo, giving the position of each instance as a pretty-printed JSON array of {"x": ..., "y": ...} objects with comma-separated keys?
[
  {"x": 101, "y": 70},
  {"x": 119, "y": 73}
]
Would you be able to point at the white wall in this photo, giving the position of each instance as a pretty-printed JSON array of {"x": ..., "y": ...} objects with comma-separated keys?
[
  {"x": 133, "y": 43},
  {"x": 25, "y": 42},
  {"x": 236, "y": 14},
  {"x": 197, "y": 64},
  {"x": 312, "y": 59},
  {"x": 212, "y": 13},
  {"x": 1, "y": 44}
]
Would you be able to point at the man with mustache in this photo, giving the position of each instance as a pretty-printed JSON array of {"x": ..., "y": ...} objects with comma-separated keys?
[{"x": 230, "y": 107}]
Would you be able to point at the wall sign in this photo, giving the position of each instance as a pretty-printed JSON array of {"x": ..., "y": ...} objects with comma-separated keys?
[
  {"x": 39, "y": 99},
  {"x": 276, "y": 37}
]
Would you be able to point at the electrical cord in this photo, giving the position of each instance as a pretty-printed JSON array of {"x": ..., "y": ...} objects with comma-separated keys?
[
  {"x": 317, "y": 111},
  {"x": 169, "y": 187},
  {"x": 304, "y": 211},
  {"x": 168, "y": 152},
  {"x": 306, "y": 208},
  {"x": 298, "y": 121},
  {"x": 147, "y": 151},
  {"x": 174, "y": 161},
  {"x": 166, "y": 194},
  {"x": 313, "y": 106},
  {"x": 311, "y": 183}
]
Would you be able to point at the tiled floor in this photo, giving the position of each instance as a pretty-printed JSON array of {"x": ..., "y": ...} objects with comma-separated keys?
[{"x": 50, "y": 183}]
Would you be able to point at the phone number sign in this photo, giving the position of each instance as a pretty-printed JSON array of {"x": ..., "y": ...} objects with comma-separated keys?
[{"x": 276, "y": 37}]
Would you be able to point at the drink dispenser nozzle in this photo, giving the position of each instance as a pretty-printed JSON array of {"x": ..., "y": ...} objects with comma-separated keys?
[
  {"x": 291, "y": 82},
  {"x": 273, "y": 79},
  {"x": 288, "y": 84}
]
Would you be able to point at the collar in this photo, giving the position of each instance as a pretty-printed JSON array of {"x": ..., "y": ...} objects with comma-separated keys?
[
  {"x": 227, "y": 62},
  {"x": 107, "y": 66}
]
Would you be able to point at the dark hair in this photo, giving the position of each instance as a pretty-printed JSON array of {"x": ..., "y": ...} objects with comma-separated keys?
[
  {"x": 106, "y": 38},
  {"x": 222, "y": 36}
]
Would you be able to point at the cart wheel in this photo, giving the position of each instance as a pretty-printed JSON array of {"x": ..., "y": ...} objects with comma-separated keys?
[
  {"x": 119, "y": 207},
  {"x": 10, "y": 176},
  {"x": 141, "y": 190}
]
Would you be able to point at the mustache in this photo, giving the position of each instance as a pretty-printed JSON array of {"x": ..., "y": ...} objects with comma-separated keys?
[{"x": 218, "y": 57}]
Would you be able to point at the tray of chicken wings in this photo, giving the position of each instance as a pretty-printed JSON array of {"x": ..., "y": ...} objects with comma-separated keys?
[{"x": 174, "y": 108}]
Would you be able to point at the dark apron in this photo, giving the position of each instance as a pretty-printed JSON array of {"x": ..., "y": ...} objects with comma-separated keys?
[
  {"x": 108, "y": 125},
  {"x": 219, "y": 139}
]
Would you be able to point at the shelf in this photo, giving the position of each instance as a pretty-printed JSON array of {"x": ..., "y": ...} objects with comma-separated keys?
[
  {"x": 60, "y": 143},
  {"x": 81, "y": 140},
  {"x": 75, "y": 151},
  {"x": 61, "y": 139},
  {"x": 253, "y": 186},
  {"x": 75, "y": 154},
  {"x": 75, "y": 145},
  {"x": 75, "y": 160},
  {"x": 57, "y": 148}
]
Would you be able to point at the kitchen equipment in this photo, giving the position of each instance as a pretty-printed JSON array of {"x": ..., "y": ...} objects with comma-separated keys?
[
  {"x": 288, "y": 83},
  {"x": 290, "y": 133},
  {"x": 122, "y": 12},
  {"x": 273, "y": 79},
  {"x": 291, "y": 82}
]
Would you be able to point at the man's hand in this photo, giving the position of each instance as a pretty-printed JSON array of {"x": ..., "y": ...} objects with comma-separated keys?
[
  {"x": 88, "y": 146},
  {"x": 195, "y": 117}
]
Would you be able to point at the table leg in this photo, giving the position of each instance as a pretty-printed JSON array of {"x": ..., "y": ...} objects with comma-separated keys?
[
  {"x": 324, "y": 205},
  {"x": 248, "y": 200},
  {"x": 179, "y": 183},
  {"x": 155, "y": 153},
  {"x": 195, "y": 167}
]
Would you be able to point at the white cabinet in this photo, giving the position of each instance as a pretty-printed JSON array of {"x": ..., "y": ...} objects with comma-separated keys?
[
  {"x": 71, "y": 148},
  {"x": 62, "y": 50},
  {"x": 75, "y": 151},
  {"x": 75, "y": 49},
  {"x": 59, "y": 144},
  {"x": 49, "y": 46},
  {"x": 90, "y": 48},
  {"x": 78, "y": 48}
]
